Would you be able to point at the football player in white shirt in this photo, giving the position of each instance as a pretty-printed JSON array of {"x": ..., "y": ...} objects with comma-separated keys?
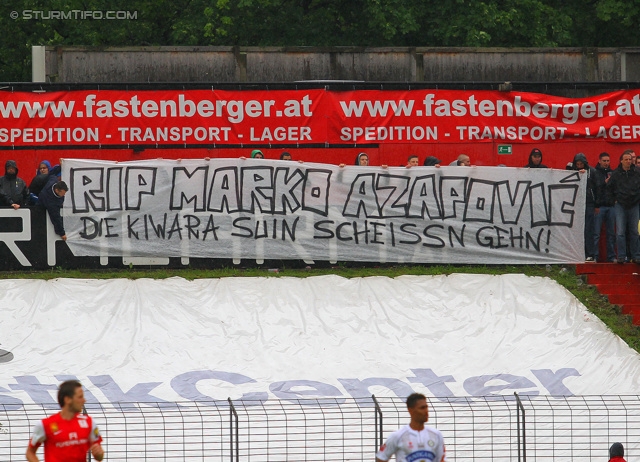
[{"x": 415, "y": 442}]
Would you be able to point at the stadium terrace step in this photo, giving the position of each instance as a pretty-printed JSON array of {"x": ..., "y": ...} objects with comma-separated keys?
[
  {"x": 623, "y": 299},
  {"x": 596, "y": 278},
  {"x": 620, "y": 283},
  {"x": 607, "y": 268},
  {"x": 631, "y": 309},
  {"x": 619, "y": 289}
]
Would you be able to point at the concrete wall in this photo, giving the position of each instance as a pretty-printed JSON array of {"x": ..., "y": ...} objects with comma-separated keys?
[
  {"x": 522, "y": 65},
  {"x": 271, "y": 64}
]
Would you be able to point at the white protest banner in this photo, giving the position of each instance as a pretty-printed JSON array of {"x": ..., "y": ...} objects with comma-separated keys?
[{"x": 263, "y": 209}]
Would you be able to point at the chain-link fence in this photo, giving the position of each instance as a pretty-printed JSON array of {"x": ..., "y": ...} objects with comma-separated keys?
[{"x": 475, "y": 428}]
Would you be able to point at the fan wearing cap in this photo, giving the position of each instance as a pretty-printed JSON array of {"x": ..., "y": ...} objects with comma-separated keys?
[
  {"x": 432, "y": 161},
  {"x": 257, "y": 154},
  {"x": 616, "y": 453},
  {"x": 535, "y": 159}
]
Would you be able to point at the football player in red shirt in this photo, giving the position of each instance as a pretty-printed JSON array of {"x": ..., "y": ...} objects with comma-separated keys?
[{"x": 69, "y": 434}]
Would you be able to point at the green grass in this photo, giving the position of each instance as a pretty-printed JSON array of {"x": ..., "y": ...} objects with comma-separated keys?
[{"x": 611, "y": 315}]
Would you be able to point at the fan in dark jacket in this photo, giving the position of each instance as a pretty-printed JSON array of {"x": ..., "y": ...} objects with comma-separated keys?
[
  {"x": 52, "y": 199},
  {"x": 624, "y": 189},
  {"x": 535, "y": 159},
  {"x": 13, "y": 190},
  {"x": 605, "y": 210},
  {"x": 581, "y": 164}
]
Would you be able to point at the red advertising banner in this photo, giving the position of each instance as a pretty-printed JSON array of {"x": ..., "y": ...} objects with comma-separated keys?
[{"x": 306, "y": 117}]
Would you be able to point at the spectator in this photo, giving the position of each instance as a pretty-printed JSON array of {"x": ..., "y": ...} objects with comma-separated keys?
[
  {"x": 13, "y": 190},
  {"x": 634, "y": 161},
  {"x": 51, "y": 199},
  {"x": 432, "y": 161},
  {"x": 285, "y": 156},
  {"x": 535, "y": 159},
  {"x": 624, "y": 189},
  {"x": 42, "y": 177},
  {"x": 604, "y": 208},
  {"x": 616, "y": 453},
  {"x": 463, "y": 160},
  {"x": 581, "y": 164},
  {"x": 362, "y": 159},
  {"x": 43, "y": 167},
  {"x": 413, "y": 161},
  {"x": 257, "y": 154}
]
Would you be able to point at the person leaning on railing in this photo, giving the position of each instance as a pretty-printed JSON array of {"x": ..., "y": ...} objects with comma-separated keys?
[{"x": 52, "y": 199}]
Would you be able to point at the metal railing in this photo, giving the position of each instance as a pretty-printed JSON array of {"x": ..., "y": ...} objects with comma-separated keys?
[
  {"x": 522, "y": 433},
  {"x": 342, "y": 429}
]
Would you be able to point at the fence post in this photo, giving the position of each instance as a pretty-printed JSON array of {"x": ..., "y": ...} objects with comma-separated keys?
[
  {"x": 234, "y": 414},
  {"x": 524, "y": 441},
  {"x": 378, "y": 421}
]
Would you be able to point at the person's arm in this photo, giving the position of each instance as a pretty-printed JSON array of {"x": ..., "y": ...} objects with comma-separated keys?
[
  {"x": 442, "y": 449},
  {"x": 31, "y": 454},
  {"x": 387, "y": 450},
  {"x": 97, "y": 452},
  {"x": 95, "y": 439},
  {"x": 610, "y": 189},
  {"x": 4, "y": 199},
  {"x": 37, "y": 437},
  {"x": 25, "y": 194},
  {"x": 56, "y": 219}
]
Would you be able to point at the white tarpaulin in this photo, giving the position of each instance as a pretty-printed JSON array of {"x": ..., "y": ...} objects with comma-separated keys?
[
  {"x": 265, "y": 338},
  {"x": 262, "y": 209}
]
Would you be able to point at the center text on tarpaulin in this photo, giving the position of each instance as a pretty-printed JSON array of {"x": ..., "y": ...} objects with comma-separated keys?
[{"x": 190, "y": 385}]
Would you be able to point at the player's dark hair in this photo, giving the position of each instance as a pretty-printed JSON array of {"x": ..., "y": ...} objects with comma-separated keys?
[
  {"x": 67, "y": 388},
  {"x": 413, "y": 398}
]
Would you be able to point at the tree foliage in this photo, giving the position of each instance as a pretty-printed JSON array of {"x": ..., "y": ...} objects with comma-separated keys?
[{"x": 365, "y": 23}]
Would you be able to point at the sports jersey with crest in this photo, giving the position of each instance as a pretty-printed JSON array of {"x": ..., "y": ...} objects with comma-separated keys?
[
  {"x": 65, "y": 440},
  {"x": 410, "y": 445}
]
